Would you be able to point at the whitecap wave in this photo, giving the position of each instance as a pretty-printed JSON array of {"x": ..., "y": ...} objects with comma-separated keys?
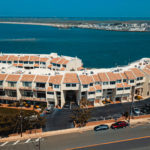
[{"x": 18, "y": 40}]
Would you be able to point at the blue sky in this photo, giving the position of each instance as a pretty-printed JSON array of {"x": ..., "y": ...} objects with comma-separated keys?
[{"x": 75, "y": 8}]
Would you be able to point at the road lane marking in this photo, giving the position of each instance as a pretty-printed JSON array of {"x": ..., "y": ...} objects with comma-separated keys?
[
  {"x": 125, "y": 140},
  {"x": 16, "y": 142},
  {"x": 4, "y": 144},
  {"x": 38, "y": 139},
  {"x": 27, "y": 140}
]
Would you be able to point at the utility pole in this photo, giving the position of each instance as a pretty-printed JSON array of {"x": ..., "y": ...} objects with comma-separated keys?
[
  {"x": 131, "y": 107},
  {"x": 21, "y": 119},
  {"x": 39, "y": 144}
]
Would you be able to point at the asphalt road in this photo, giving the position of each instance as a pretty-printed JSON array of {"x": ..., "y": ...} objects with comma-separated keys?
[
  {"x": 89, "y": 140},
  {"x": 60, "y": 118},
  {"x": 142, "y": 143}
]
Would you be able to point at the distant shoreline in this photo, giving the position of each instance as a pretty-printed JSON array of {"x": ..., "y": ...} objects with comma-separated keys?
[
  {"x": 119, "y": 27},
  {"x": 26, "y": 23}
]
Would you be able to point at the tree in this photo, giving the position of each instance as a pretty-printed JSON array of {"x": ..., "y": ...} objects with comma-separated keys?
[
  {"x": 81, "y": 114},
  {"x": 126, "y": 115},
  {"x": 10, "y": 121}
]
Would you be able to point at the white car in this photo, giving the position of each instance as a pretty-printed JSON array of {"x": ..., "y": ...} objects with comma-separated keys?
[{"x": 136, "y": 111}]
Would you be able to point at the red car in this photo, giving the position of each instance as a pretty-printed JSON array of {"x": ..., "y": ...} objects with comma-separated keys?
[{"x": 119, "y": 124}]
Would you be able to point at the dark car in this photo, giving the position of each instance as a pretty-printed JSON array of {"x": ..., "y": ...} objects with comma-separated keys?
[
  {"x": 119, "y": 124},
  {"x": 101, "y": 127},
  {"x": 66, "y": 106}
]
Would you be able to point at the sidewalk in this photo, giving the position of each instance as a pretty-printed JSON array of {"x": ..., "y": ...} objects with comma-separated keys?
[{"x": 134, "y": 122}]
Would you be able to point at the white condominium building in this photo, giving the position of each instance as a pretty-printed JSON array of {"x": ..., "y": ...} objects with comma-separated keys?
[{"x": 56, "y": 80}]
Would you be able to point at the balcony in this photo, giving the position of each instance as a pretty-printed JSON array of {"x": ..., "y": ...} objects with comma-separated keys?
[
  {"x": 27, "y": 98},
  {"x": 39, "y": 89},
  {"x": 25, "y": 88},
  {"x": 10, "y": 88},
  {"x": 33, "y": 99},
  {"x": 99, "y": 94},
  {"x": 90, "y": 96},
  {"x": 8, "y": 98}
]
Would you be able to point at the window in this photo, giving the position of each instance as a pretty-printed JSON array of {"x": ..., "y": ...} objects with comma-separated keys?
[
  {"x": 12, "y": 93},
  {"x": 97, "y": 83},
  {"x": 98, "y": 91},
  {"x": 25, "y": 62},
  {"x": 9, "y": 62},
  {"x": 73, "y": 85},
  {"x": 2, "y": 93},
  {"x": 109, "y": 93},
  {"x": 58, "y": 65},
  {"x": 141, "y": 78},
  {"x": 15, "y": 62},
  {"x": 27, "y": 84},
  {"x": 36, "y": 62},
  {"x": 105, "y": 83},
  {"x": 51, "y": 93},
  {"x": 40, "y": 85},
  {"x": 21, "y": 62},
  {"x": 64, "y": 66},
  {"x": 83, "y": 93},
  {"x": 1, "y": 83},
  {"x": 118, "y": 81},
  {"x": 54, "y": 64},
  {"x": 138, "y": 84},
  {"x": 85, "y": 86},
  {"x": 91, "y": 84},
  {"x": 12, "y": 84},
  {"x": 112, "y": 82},
  {"x": 119, "y": 89},
  {"x": 56, "y": 86},
  {"x": 124, "y": 80},
  {"x": 30, "y": 62},
  {"x": 127, "y": 88},
  {"x": 131, "y": 81},
  {"x": 50, "y": 84},
  {"x": 4, "y": 62},
  {"x": 109, "y": 90},
  {"x": 28, "y": 94},
  {"x": 43, "y": 63},
  {"x": 90, "y": 93},
  {"x": 68, "y": 85},
  {"x": 41, "y": 95}
]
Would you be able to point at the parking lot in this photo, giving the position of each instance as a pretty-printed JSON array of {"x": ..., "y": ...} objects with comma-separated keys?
[{"x": 60, "y": 118}]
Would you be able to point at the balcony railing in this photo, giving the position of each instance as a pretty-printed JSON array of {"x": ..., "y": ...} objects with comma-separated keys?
[
  {"x": 10, "y": 88},
  {"x": 25, "y": 88},
  {"x": 33, "y": 99},
  {"x": 8, "y": 98},
  {"x": 39, "y": 89}
]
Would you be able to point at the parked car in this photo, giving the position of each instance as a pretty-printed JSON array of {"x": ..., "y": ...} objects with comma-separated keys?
[
  {"x": 66, "y": 106},
  {"x": 101, "y": 127},
  {"x": 136, "y": 111},
  {"x": 119, "y": 124}
]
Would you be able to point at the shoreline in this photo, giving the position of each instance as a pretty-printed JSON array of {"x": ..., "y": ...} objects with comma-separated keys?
[{"x": 71, "y": 25}]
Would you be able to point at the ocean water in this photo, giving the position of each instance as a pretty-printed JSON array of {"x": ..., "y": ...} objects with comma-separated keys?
[{"x": 97, "y": 49}]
